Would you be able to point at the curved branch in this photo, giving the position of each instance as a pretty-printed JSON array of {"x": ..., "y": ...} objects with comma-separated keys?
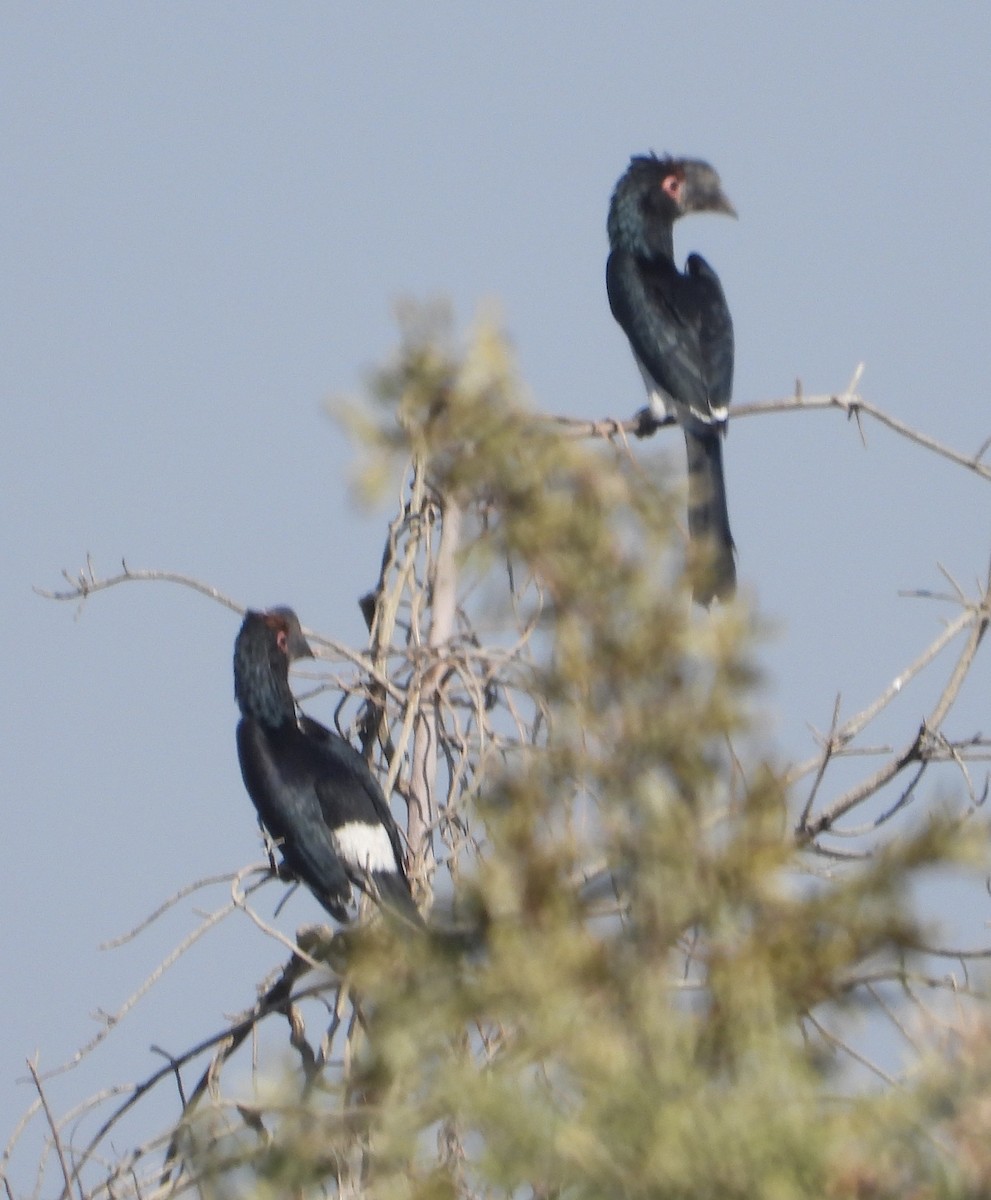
[
  {"x": 848, "y": 402},
  {"x": 86, "y": 582}
]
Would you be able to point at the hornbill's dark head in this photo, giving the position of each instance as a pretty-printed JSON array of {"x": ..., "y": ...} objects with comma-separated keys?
[
  {"x": 266, "y": 644},
  {"x": 286, "y": 632},
  {"x": 653, "y": 193}
]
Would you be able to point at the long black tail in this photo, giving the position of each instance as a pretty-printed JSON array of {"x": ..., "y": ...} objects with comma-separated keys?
[{"x": 712, "y": 564}]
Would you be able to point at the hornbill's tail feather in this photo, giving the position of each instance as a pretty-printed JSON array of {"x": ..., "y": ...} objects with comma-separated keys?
[{"x": 713, "y": 567}]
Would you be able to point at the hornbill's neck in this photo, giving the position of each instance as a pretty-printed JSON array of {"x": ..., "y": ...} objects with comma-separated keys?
[
  {"x": 648, "y": 235},
  {"x": 661, "y": 240},
  {"x": 261, "y": 680}
]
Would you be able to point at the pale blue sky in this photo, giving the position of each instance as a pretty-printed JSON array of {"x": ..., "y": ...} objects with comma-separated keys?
[{"x": 207, "y": 212}]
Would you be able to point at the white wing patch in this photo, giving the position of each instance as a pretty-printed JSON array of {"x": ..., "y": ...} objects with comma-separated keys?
[{"x": 365, "y": 846}]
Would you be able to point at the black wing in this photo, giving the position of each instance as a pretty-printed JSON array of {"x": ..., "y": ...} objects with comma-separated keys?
[
  {"x": 356, "y": 810},
  {"x": 277, "y": 768},
  {"x": 348, "y": 788},
  {"x": 678, "y": 326},
  {"x": 715, "y": 330}
]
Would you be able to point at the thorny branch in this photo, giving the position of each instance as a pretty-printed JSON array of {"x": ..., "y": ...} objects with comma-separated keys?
[
  {"x": 927, "y": 746},
  {"x": 56, "y": 1137},
  {"x": 848, "y": 401}
]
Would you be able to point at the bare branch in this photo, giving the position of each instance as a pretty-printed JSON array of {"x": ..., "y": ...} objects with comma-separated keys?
[
  {"x": 443, "y": 611},
  {"x": 977, "y": 616},
  {"x": 231, "y": 1038},
  {"x": 172, "y": 901},
  {"x": 278, "y": 998},
  {"x": 56, "y": 1136},
  {"x": 839, "y": 1044},
  {"x": 86, "y": 583},
  {"x": 110, "y": 1021},
  {"x": 848, "y": 402},
  {"x": 831, "y": 742}
]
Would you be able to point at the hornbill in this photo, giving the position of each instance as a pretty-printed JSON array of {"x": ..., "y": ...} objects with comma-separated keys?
[
  {"x": 681, "y": 333},
  {"x": 314, "y": 793}
]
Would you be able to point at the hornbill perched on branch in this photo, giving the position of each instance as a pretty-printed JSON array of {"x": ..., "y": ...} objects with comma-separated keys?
[
  {"x": 314, "y": 793},
  {"x": 681, "y": 334}
]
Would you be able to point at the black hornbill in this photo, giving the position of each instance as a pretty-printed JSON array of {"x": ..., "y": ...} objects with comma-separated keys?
[
  {"x": 314, "y": 792},
  {"x": 681, "y": 334}
]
